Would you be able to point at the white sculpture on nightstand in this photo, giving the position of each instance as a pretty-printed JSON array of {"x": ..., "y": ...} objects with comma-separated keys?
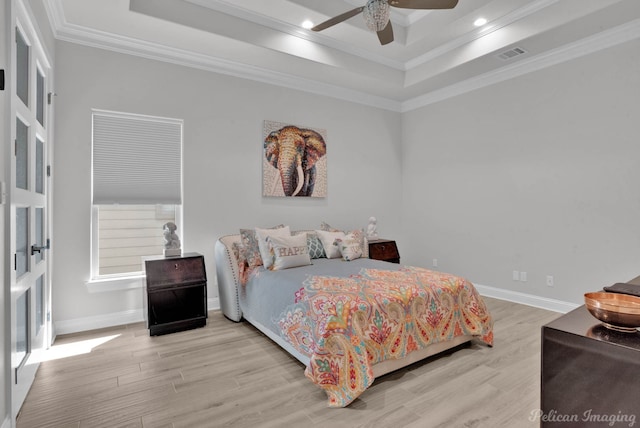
[
  {"x": 372, "y": 229},
  {"x": 171, "y": 240}
]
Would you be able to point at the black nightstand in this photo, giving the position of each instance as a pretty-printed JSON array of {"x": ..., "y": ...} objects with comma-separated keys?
[
  {"x": 385, "y": 250},
  {"x": 176, "y": 293}
]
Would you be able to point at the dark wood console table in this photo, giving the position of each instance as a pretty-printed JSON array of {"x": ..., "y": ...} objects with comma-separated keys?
[
  {"x": 176, "y": 293},
  {"x": 589, "y": 371}
]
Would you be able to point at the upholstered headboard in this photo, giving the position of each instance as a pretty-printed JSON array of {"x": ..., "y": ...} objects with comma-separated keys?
[{"x": 228, "y": 277}]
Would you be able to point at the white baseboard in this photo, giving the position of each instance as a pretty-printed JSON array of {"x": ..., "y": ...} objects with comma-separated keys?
[
  {"x": 213, "y": 304},
  {"x": 137, "y": 315},
  {"x": 526, "y": 299},
  {"x": 110, "y": 320},
  {"x": 99, "y": 321}
]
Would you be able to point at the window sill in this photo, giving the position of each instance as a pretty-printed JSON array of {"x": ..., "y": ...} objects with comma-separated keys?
[{"x": 101, "y": 285}]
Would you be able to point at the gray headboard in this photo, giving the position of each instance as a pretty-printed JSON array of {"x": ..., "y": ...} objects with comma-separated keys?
[{"x": 228, "y": 277}]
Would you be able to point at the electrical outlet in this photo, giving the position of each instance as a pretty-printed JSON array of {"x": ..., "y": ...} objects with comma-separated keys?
[
  {"x": 523, "y": 276},
  {"x": 516, "y": 275},
  {"x": 549, "y": 281},
  {"x": 435, "y": 262}
]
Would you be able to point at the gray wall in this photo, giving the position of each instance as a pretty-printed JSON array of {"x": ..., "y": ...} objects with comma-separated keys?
[
  {"x": 540, "y": 174},
  {"x": 536, "y": 174},
  {"x": 223, "y": 119}
]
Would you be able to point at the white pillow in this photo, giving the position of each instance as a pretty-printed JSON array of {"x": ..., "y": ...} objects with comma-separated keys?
[
  {"x": 327, "y": 239},
  {"x": 350, "y": 246},
  {"x": 365, "y": 242},
  {"x": 289, "y": 251},
  {"x": 262, "y": 234}
]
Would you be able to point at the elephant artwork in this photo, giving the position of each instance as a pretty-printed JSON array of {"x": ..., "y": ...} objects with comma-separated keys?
[{"x": 294, "y": 160}]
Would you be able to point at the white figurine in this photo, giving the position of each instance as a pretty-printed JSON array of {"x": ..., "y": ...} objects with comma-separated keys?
[
  {"x": 171, "y": 240},
  {"x": 372, "y": 228}
]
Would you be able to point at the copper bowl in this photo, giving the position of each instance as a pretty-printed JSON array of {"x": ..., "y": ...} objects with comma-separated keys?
[{"x": 617, "y": 311}]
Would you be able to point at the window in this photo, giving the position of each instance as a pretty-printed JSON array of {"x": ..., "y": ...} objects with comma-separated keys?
[
  {"x": 137, "y": 188},
  {"x": 126, "y": 233}
]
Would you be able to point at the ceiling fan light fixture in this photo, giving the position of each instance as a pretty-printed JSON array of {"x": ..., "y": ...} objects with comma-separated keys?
[{"x": 376, "y": 14}]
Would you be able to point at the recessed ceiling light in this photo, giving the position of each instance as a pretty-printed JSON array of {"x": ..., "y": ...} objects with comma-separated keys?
[
  {"x": 307, "y": 24},
  {"x": 479, "y": 22}
]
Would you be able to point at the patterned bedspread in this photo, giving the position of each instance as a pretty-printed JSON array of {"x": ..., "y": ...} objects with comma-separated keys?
[{"x": 348, "y": 324}]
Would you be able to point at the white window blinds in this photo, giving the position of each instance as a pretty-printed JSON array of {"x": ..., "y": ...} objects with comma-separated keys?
[{"x": 136, "y": 159}]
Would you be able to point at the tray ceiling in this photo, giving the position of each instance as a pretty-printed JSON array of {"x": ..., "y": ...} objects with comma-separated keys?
[{"x": 436, "y": 54}]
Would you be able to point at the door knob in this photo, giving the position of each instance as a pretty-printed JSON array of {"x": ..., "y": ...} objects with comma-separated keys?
[{"x": 37, "y": 249}]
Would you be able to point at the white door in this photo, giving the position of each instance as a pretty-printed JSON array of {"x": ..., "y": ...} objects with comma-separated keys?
[{"x": 29, "y": 205}]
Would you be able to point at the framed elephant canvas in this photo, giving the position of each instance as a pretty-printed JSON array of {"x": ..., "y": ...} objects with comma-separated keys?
[{"x": 294, "y": 162}]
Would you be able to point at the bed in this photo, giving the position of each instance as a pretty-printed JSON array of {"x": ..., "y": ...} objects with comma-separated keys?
[{"x": 350, "y": 321}]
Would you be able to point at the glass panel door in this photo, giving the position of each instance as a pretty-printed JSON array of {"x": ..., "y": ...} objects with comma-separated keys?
[
  {"x": 29, "y": 198},
  {"x": 22, "y": 154},
  {"x": 22, "y": 68},
  {"x": 22, "y": 242}
]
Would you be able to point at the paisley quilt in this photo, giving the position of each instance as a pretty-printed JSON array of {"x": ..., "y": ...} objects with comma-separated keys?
[{"x": 347, "y": 324}]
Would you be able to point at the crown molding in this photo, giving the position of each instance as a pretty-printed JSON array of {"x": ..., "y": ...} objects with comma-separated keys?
[
  {"x": 605, "y": 39},
  {"x": 55, "y": 13},
  {"x": 26, "y": 18},
  {"x": 127, "y": 45},
  {"x": 65, "y": 31}
]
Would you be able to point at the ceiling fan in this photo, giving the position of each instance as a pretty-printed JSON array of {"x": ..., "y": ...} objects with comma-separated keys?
[{"x": 376, "y": 14}]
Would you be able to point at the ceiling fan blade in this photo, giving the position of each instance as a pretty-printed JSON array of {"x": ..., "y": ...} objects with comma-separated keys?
[
  {"x": 424, "y": 4},
  {"x": 338, "y": 19},
  {"x": 386, "y": 34}
]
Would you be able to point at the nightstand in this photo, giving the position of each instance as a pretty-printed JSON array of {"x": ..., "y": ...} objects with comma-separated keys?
[
  {"x": 176, "y": 293},
  {"x": 587, "y": 369},
  {"x": 385, "y": 250}
]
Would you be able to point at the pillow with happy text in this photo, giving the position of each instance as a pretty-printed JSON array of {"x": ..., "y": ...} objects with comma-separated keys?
[
  {"x": 262, "y": 235},
  {"x": 288, "y": 251},
  {"x": 250, "y": 248}
]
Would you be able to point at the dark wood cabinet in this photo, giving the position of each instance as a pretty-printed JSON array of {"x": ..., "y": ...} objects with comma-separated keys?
[
  {"x": 384, "y": 249},
  {"x": 176, "y": 293},
  {"x": 588, "y": 371}
]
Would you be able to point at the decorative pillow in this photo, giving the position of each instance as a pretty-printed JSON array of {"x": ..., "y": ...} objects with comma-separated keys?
[
  {"x": 250, "y": 251},
  {"x": 327, "y": 239},
  {"x": 250, "y": 247},
  {"x": 350, "y": 246},
  {"x": 326, "y": 227},
  {"x": 243, "y": 268},
  {"x": 316, "y": 250},
  {"x": 288, "y": 251},
  {"x": 365, "y": 244},
  {"x": 262, "y": 235}
]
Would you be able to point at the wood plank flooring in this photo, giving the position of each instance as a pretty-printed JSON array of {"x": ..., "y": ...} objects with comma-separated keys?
[{"x": 230, "y": 375}]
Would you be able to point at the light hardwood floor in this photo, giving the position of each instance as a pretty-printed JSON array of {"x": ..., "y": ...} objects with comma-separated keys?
[{"x": 229, "y": 374}]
